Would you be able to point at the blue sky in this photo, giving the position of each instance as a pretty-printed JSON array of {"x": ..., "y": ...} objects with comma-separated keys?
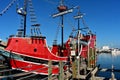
[{"x": 101, "y": 16}]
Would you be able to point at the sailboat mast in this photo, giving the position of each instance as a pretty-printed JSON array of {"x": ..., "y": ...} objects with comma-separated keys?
[
  {"x": 78, "y": 17},
  {"x": 62, "y": 22},
  {"x": 62, "y": 8},
  {"x": 25, "y": 8},
  {"x": 78, "y": 23},
  {"x": 62, "y": 11},
  {"x": 62, "y": 31}
]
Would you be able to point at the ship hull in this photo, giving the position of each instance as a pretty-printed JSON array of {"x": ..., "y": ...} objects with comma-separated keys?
[
  {"x": 36, "y": 68},
  {"x": 33, "y": 53}
]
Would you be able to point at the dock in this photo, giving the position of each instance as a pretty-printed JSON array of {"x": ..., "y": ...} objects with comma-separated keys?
[
  {"x": 72, "y": 72},
  {"x": 17, "y": 74}
]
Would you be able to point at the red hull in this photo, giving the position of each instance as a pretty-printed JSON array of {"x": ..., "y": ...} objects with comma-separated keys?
[
  {"x": 32, "y": 47},
  {"x": 33, "y": 67}
]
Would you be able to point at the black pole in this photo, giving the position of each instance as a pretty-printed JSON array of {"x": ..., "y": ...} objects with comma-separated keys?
[
  {"x": 25, "y": 8},
  {"x": 62, "y": 35},
  {"x": 62, "y": 31},
  {"x": 78, "y": 24},
  {"x": 24, "y": 26}
]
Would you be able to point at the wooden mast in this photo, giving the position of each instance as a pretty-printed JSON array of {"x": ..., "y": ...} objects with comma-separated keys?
[
  {"x": 62, "y": 11},
  {"x": 62, "y": 8}
]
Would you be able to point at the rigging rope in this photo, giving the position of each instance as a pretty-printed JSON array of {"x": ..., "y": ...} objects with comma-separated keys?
[
  {"x": 50, "y": 1},
  {"x": 72, "y": 26},
  {"x": 35, "y": 30},
  {"x": 83, "y": 21},
  {"x": 57, "y": 32},
  {"x": 9, "y": 5}
]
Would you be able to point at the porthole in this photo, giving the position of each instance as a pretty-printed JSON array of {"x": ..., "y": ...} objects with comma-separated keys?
[
  {"x": 16, "y": 40},
  {"x": 35, "y": 50}
]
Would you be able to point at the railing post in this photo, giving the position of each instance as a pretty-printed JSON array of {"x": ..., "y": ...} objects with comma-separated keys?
[
  {"x": 74, "y": 68},
  {"x": 50, "y": 70},
  {"x": 61, "y": 73}
]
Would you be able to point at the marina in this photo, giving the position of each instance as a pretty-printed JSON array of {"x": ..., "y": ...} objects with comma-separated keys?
[{"x": 101, "y": 72}]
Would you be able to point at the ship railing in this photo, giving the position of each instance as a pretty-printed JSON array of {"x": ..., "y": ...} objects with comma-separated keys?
[{"x": 40, "y": 37}]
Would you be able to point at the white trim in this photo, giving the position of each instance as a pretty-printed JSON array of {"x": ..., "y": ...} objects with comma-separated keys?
[
  {"x": 51, "y": 52},
  {"x": 34, "y": 72},
  {"x": 35, "y": 57},
  {"x": 80, "y": 50},
  {"x": 30, "y": 62}
]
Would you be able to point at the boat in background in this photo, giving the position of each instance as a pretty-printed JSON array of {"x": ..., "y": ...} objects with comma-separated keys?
[
  {"x": 31, "y": 54},
  {"x": 115, "y": 52}
]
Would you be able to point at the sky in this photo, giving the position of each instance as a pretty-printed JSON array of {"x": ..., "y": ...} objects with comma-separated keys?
[{"x": 101, "y": 16}]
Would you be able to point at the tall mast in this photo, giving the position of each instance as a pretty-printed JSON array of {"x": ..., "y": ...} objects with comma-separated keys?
[
  {"x": 25, "y": 9},
  {"x": 79, "y": 21},
  {"x": 23, "y": 12},
  {"x": 62, "y": 11},
  {"x": 62, "y": 8},
  {"x": 78, "y": 17},
  {"x": 35, "y": 30}
]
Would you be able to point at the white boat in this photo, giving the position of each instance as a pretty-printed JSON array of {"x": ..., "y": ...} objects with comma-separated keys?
[{"x": 115, "y": 51}]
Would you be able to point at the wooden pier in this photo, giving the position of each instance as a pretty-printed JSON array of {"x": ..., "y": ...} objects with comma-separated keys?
[
  {"x": 77, "y": 69},
  {"x": 8, "y": 74},
  {"x": 71, "y": 73}
]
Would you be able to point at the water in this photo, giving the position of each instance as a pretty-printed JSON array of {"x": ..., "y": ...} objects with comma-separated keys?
[{"x": 106, "y": 60}]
